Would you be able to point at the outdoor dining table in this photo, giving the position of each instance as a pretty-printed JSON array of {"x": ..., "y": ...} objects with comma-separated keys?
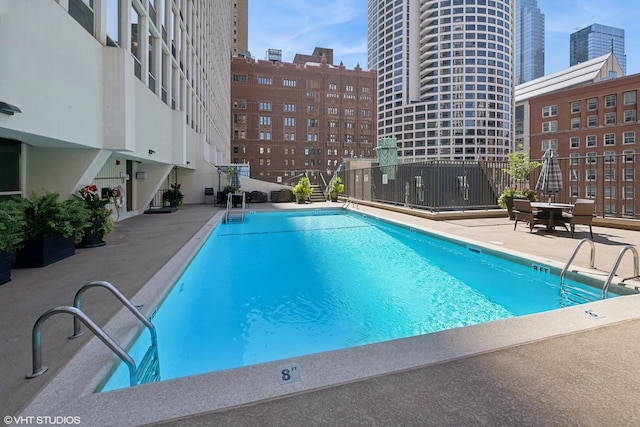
[{"x": 554, "y": 210}]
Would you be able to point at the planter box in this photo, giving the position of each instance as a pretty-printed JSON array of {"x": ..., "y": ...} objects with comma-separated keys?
[
  {"x": 92, "y": 236},
  {"x": 5, "y": 267},
  {"x": 42, "y": 251}
]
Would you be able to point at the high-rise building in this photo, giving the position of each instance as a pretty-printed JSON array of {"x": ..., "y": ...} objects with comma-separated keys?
[
  {"x": 301, "y": 117},
  {"x": 445, "y": 76},
  {"x": 597, "y": 40},
  {"x": 239, "y": 27},
  {"x": 529, "y": 48},
  {"x": 150, "y": 104}
]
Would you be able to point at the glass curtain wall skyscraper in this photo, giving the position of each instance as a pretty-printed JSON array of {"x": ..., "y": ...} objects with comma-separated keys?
[
  {"x": 529, "y": 46},
  {"x": 445, "y": 76},
  {"x": 597, "y": 40}
]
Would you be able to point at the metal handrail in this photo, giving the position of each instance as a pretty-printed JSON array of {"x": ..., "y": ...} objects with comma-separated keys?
[
  {"x": 605, "y": 287},
  {"x": 36, "y": 341},
  {"x": 592, "y": 257},
  {"x": 132, "y": 308}
]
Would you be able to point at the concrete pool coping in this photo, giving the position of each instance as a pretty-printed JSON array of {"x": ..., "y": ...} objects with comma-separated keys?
[{"x": 70, "y": 393}]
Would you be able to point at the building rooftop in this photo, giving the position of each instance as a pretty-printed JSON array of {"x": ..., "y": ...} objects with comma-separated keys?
[{"x": 587, "y": 72}]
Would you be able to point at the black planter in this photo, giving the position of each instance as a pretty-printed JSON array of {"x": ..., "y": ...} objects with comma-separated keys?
[
  {"x": 42, "y": 251},
  {"x": 92, "y": 236},
  {"x": 5, "y": 267}
]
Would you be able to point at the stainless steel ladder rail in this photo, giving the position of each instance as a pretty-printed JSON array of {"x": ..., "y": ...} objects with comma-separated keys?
[
  {"x": 229, "y": 204},
  {"x": 36, "y": 341},
  {"x": 592, "y": 257},
  {"x": 77, "y": 331},
  {"x": 616, "y": 264}
]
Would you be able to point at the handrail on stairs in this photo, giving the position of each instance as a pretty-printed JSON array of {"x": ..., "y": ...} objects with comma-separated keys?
[
  {"x": 132, "y": 308},
  {"x": 36, "y": 341}
]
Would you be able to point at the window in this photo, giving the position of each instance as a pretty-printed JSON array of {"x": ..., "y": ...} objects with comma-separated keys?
[
  {"x": 311, "y": 109},
  {"x": 591, "y": 159},
  {"x": 265, "y": 120},
  {"x": 349, "y": 112},
  {"x": 591, "y": 175},
  {"x": 289, "y": 83},
  {"x": 591, "y": 192},
  {"x": 333, "y": 86},
  {"x": 609, "y": 101},
  {"x": 592, "y": 140},
  {"x": 348, "y": 88},
  {"x": 628, "y": 174},
  {"x": 592, "y": 121},
  {"x": 240, "y": 104},
  {"x": 574, "y": 142},
  {"x": 332, "y": 111},
  {"x": 550, "y": 111},
  {"x": 609, "y": 156},
  {"x": 264, "y": 106},
  {"x": 312, "y": 123},
  {"x": 629, "y": 137},
  {"x": 630, "y": 116},
  {"x": 575, "y": 159},
  {"x": 289, "y": 121},
  {"x": 575, "y": 107},
  {"x": 239, "y": 119},
  {"x": 265, "y": 80},
  {"x": 630, "y": 97},
  {"x": 609, "y": 174},
  {"x": 549, "y": 143},
  {"x": 240, "y": 78},
  {"x": 609, "y": 139},
  {"x": 575, "y": 123},
  {"x": 291, "y": 108},
  {"x": 592, "y": 104},
  {"x": 610, "y": 119},
  {"x": 550, "y": 126},
  {"x": 365, "y": 113}
]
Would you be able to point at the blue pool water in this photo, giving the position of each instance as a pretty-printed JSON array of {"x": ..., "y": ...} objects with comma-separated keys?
[{"x": 281, "y": 285}]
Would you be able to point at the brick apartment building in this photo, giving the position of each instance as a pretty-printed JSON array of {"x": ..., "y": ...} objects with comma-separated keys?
[
  {"x": 595, "y": 127},
  {"x": 292, "y": 118}
]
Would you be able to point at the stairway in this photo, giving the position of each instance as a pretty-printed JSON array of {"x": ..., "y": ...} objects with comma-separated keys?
[{"x": 316, "y": 195}]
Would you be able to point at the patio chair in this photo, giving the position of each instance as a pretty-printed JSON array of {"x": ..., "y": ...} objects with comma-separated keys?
[
  {"x": 523, "y": 211},
  {"x": 581, "y": 214}
]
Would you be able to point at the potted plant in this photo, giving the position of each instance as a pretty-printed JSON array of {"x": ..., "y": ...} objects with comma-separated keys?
[
  {"x": 337, "y": 187},
  {"x": 302, "y": 190},
  {"x": 174, "y": 196},
  {"x": 519, "y": 167},
  {"x": 50, "y": 229},
  {"x": 12, "y": 225},
  {"x": 100, "y": 217}
]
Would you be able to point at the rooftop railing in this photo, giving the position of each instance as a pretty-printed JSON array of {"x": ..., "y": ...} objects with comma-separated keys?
[{"x": 450, "y": 185}]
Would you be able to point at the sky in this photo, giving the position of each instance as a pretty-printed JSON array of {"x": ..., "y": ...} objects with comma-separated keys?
[{"x": 298, "y": 26}]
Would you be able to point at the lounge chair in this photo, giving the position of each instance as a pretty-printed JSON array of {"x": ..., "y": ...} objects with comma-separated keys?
[
  {"x": 582, "y": 214},
  {"x": 522, "y": 211}
]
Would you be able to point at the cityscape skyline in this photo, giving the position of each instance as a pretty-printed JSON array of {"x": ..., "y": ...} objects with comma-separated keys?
[{"x": 296, "y": 27}]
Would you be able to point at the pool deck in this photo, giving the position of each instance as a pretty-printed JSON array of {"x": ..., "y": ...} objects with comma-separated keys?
[{"x": 567, "y": 367}]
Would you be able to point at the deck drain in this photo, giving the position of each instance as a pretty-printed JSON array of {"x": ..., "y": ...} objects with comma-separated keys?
[{"x": 594, "y": 314}]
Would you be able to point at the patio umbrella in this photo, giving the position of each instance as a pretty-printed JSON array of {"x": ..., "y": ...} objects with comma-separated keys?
[
  {"x": 235, "y": 179},
  {"x": 550, "y": 179}
]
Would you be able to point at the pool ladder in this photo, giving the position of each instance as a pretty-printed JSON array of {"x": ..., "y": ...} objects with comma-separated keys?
[
  {"x": 569, "y": 291},
  {"x": 231, "y": 215},
  {"x": 149, "y": 368}
]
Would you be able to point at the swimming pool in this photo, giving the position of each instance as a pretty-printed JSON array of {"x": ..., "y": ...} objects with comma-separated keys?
[{"x": 335, "y": 280}]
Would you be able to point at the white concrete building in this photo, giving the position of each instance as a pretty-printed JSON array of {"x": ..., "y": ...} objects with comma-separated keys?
[
  {"x": 445, "y": 76},
  {"x": 119, "y": 93}
]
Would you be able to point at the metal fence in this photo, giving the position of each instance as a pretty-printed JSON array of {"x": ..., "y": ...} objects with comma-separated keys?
[{"x": 448, "y": 185}]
